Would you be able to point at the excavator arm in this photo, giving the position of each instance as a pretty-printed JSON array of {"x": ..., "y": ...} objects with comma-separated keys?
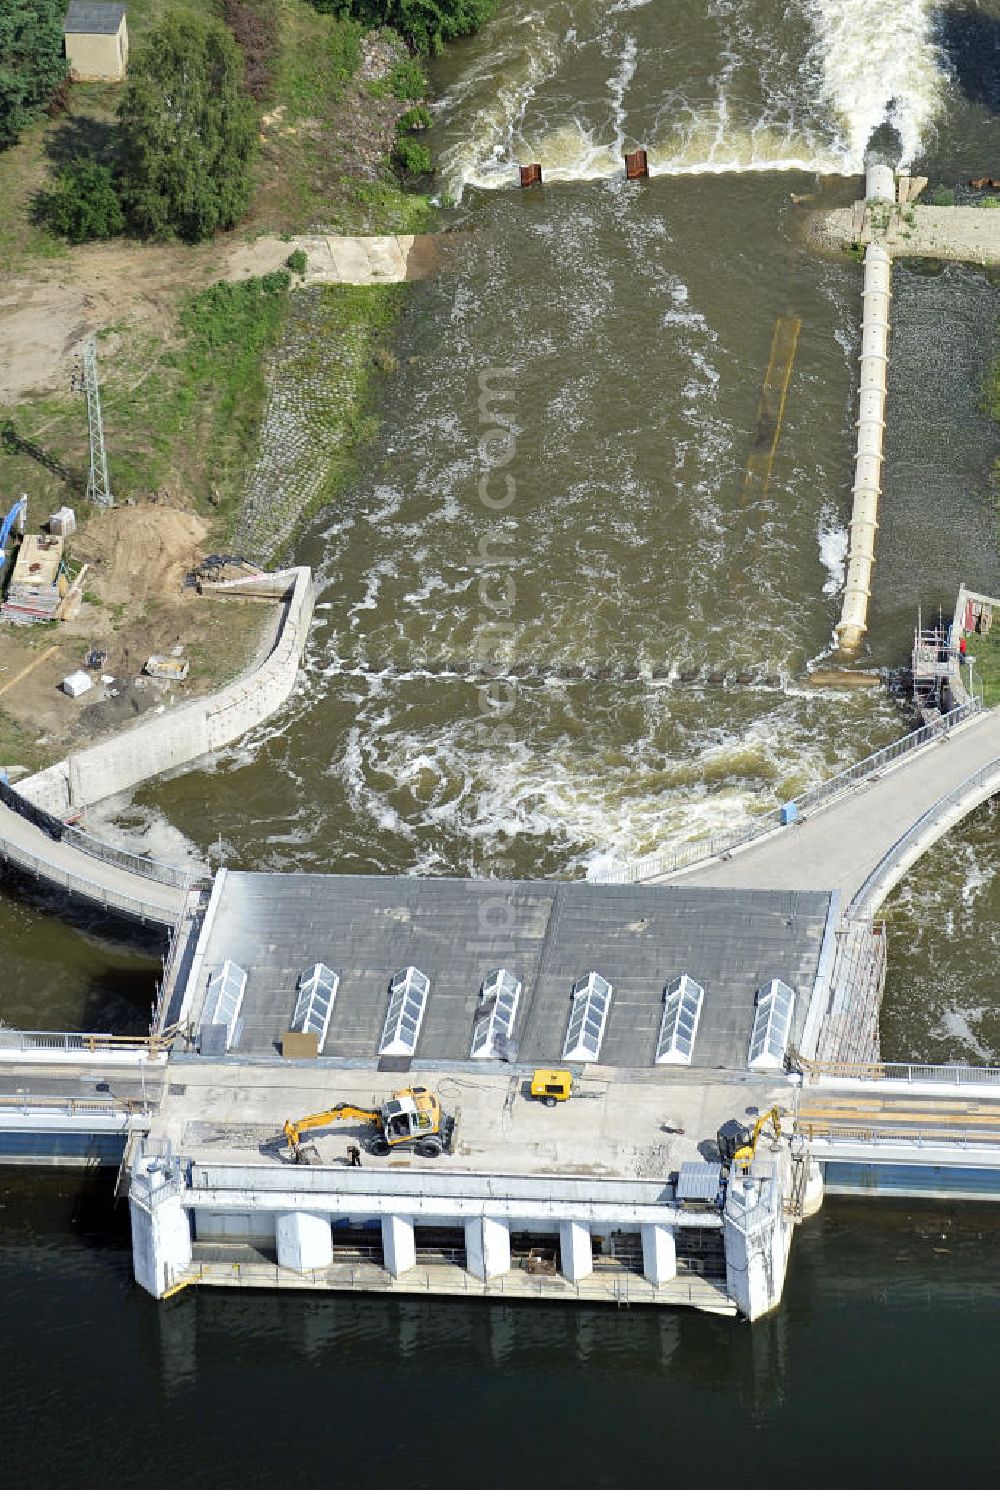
[
  {"x": 294, "y": 1130},
  {"x": 744, "y": 1156}
]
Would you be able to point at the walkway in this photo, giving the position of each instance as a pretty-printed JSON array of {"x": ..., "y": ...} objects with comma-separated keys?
[
  {"x": 870, "y": 1125},
  {"x": 67, "y": 867},
  {"x": 970, "y": 235},
  {"x": 839, "y": 846},
  {"x": 332, "y": 259}
]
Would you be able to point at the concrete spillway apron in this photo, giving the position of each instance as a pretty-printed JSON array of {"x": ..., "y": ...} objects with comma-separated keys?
[{"x": 853, "y": 623}]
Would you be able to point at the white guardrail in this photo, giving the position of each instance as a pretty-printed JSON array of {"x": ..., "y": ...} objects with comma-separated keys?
[{"x": 902, "y": 1072}]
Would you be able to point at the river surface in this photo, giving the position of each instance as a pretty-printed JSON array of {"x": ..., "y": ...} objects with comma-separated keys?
[
  {"x": 845, "y": 1385},
  {"x": 558, "y": 489}
]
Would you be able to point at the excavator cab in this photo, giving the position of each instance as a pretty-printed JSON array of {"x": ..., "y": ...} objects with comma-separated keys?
[
  {"x": 411, "y": 1114},
  {"x": 411, "y": 1118}
]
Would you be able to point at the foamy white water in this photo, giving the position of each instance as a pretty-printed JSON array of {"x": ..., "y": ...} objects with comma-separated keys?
[
  {"x": 833, "y": 545},
  {"x": 880, "y": 64},
  {"x": 853, "y": 66}
]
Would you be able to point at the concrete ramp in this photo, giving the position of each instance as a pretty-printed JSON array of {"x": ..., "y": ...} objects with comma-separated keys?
[{"x": 840, "y": 846}]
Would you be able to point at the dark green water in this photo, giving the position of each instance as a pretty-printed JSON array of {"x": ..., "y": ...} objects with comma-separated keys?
[
  {"x": 636, "y": 326},
  {"x": 875, "y": 1371}
]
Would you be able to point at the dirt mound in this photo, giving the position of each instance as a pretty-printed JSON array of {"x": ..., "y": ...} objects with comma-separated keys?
[{"x": 140, "y": 553}]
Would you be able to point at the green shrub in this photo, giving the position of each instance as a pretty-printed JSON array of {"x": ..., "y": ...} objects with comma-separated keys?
[
  {"x": 942, "y": 196},
  {"x": 84, "y": 204},
  {"x": 413, "y": 157},
  {"x": 189, "y": 131},
  {"x": 297, "y": 261},
  {"x": 990, "y": 202},
  {"x": 407, "y": 80},
  {"x": 32, "y": 65},
  {"x": 419, "y": 118},
  {"x": 427, "y": 25}
]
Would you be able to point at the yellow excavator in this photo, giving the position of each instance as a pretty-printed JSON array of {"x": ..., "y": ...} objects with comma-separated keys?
[
  {"x": 411, "y": 1119},
  {"x": 738, "y": 1143}
]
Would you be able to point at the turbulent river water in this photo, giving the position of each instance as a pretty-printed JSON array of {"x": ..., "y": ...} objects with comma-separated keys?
[{"x": 558, "y": 485}]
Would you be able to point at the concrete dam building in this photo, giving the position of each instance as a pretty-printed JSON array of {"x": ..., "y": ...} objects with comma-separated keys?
[{"x": 673, "y": 1006}]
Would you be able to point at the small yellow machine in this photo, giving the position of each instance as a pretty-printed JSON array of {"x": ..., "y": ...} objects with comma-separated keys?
[
  {"x": 412, "y": 1118},
  {"x": 551, "y": 1087},
  {"x": 738, "y": 1143}
]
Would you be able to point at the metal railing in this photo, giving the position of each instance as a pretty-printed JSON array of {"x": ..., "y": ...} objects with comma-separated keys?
[
  {"x": 959, "y": 796},
  {"x": 671, "y": 860},
  {"x": 151, "y": 869},
  {"x": 87, "y": 889},
  {"x": 54, "y": 827},
  {"x": 30, "y": 1042},
  {"x": 918, "y": 1138},
  {"x": 624, "y": 1288},
  {"x": 27, "y": 1103},
  {"x": 903, "y": 1072}
]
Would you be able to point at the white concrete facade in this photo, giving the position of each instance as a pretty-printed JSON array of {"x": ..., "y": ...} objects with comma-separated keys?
[
  {"x": 659, "y": 1254},
  {"x": 399, "y": 1251},
  {"x": 576, "y": 1253},
  {"x": 293, "y": 1209},
  {"x": 756, "y": 1242},
  {"x": 161, "y": 1228},
  {"x": 304, "y": 1241},
  {"x": 487, "y": 1247}
]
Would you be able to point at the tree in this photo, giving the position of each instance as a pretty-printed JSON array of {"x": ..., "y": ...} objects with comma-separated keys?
[
  {"x": 189, "y": 131},
  {"x": 32, "y": 64},
  {"x": 84, "y": 204},
  {"x": 426, "y": 24}
]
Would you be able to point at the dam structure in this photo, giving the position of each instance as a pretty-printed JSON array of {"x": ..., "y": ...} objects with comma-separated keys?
[{"x": 740, "y": 989}]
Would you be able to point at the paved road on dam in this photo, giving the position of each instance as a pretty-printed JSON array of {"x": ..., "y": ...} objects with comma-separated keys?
[{"x": 839, "y": 845}]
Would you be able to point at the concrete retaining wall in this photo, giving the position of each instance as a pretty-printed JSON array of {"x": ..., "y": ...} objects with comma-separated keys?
[{"x": 183, "y": 735}]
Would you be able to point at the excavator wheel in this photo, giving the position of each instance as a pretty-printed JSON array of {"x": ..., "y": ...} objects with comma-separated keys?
[
  {"x": 379, "y": 1147},
  {"x": 430, "y": 1148}
]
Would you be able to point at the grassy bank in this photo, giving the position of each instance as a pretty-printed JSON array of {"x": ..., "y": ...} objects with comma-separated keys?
[
  {"x": 986, "y": 671},
  {"x": 318, "y": 415},
  {"x": 181, "y": 408},
  {"x": 183, "y": 411}
]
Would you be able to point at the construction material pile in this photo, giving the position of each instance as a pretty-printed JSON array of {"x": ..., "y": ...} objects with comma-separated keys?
[{"x": 38, "y": 583}]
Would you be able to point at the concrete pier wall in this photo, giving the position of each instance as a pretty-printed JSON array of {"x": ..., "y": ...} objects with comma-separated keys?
[
  {"x": 296, "y": 1213},
  {"x": 185, "y": 734},
  {"x": 853, "y": 621}
]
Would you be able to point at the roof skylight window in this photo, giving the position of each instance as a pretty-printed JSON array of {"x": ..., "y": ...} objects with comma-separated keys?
[
  {"x": 494, "y": 1024},
  {"x": 587, "y": 1018},
  {"x": 772, "y": 1026},
  {"x": 682, "y": 1001},
  {"x": 317, "y": 991},
  {"x": 405, "y": 1014}
]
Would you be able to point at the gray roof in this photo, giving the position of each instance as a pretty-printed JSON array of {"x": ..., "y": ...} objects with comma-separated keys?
[
  {"x": 93, "y": 18},
  {"x": 548, "y": 933}
]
